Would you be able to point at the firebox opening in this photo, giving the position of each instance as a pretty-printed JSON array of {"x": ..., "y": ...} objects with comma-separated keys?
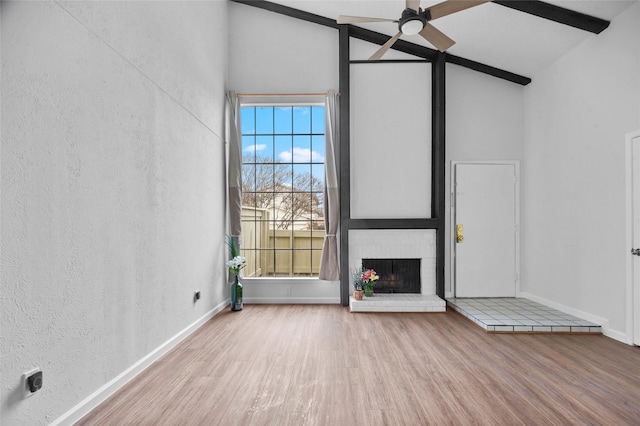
[{"x": 396, "y": 275}]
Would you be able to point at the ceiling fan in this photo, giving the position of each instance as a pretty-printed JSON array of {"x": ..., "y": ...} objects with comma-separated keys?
[{"x": 415, "y": 20}]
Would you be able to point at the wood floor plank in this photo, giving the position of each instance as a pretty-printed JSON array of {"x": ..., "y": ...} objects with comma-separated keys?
[{"x": 322, "y": 365}]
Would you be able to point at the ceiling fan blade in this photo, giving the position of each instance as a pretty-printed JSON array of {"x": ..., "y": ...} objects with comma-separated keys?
[
  {"x": 345, "y": 19},
  {"x": 413, "y": 4},
  {"x": 450, "y": 6},
  {"x": 385, "y": 47},
  {"x": 436, "y": 37}
]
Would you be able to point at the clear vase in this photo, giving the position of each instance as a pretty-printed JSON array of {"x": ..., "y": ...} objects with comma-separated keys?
[{"x": 236, "y": 295}]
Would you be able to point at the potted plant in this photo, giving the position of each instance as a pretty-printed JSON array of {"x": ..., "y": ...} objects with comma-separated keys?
[
  {"x": 358, "y": 285},
  {"x": 369, "y": 278}
]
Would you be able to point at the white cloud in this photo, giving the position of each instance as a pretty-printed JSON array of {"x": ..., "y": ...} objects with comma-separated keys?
[
  {"x": 258, "y": 147},
  {"x": 300, "y": 155}
]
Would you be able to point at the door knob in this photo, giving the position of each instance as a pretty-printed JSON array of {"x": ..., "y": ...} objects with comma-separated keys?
[
  {"x": 460, "y": 234},
  {"x": 635, "y": 252}
]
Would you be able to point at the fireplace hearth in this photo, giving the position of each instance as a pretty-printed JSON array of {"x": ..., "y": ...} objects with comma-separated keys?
[{"x": 396, "y": 275}]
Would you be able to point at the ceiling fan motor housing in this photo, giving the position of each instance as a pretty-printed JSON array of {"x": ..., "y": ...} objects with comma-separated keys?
[{"x": 412, "y": 23}]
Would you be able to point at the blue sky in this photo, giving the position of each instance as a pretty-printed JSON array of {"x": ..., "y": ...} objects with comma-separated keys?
[{"x": 270, "y": 133}]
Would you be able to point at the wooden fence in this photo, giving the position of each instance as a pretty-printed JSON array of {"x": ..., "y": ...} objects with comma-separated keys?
[{"x": 272, "y": 252}]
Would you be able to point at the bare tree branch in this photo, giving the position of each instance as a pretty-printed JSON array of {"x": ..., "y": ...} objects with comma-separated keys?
[{"x": 272, "y": 184}]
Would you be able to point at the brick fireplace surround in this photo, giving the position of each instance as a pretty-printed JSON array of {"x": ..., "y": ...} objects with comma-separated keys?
[{"x": 397, "y": 243}]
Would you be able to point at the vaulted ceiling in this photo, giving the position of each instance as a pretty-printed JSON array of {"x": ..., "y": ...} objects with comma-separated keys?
[{"x": 494, "y": 33}]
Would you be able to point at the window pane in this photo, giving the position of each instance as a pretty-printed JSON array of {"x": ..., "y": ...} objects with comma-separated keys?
[
  {"x": 316, "y": 255},
  {"x": 317, "y": 147},
  {"x": 248, "y": 176},
  {"x": 318, "y": 239},
  {"x": 248, "y": 233},
  {"x": 283, "y": 266},
  {"x": 317, "y": 171},
  {"x": 283, "y": 174},
  {"x": 247, "y": 120},
  {"x": 317, "y": 119},
  {"x": 264, "y": 200},
  {"x": 249, "y": 200},
  {"x": 264, "y": 149},
  {"x": 264, "y": 120},
  {"x": 248, "y": 149},
  {"x": 302, "y": 149},
  {"x": 264, "y": 263},
  {"x": 302, "y": 120},
  {"x": 301, "y": 206},
  {"x": 283, "y": 150},
  {"x": 317, "y": 206},
  {"x": 302, "y": 262},
  {"x": 284, "y": 210},
  {"x": 302, "y": 237},
  {"x": 302, "y": 174},
  {"x": 284, "y": 120},
  {"x": 263, "y": 176}
]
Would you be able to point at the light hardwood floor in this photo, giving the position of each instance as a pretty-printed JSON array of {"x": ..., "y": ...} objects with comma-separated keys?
[{"x": 322, "y": 365}]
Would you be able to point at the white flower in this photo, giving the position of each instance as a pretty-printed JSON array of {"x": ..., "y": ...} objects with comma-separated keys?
[{"x": 236, "y": 264}]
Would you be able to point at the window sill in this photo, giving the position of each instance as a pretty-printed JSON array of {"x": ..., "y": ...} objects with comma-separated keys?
[{"x": 288, "y": 280}]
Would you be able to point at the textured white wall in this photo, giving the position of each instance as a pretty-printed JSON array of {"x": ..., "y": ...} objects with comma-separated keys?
[
  {"x": 578, "y": 111},
  {"x": 273, "y": 53},
  {"x": 112, "y": 189}
]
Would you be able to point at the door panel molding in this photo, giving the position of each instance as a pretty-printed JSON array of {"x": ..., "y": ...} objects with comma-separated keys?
[{"x": 452, "y": 234}]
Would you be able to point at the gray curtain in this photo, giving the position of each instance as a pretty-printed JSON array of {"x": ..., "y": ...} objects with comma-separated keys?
[
  {"x": 234, "y": 167},
  {"x": 330, "y": 264}
]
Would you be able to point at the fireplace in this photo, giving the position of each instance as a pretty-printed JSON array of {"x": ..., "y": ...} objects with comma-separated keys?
[
  {"x": 397, "y": 244},
  {"x": 396, "y": 275},
  {"x": 416, "y": 245}
]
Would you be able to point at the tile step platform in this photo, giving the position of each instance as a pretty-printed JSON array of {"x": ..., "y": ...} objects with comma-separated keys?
[
  {"x": 398, "y": 303},
  {"x": 516, "y": 315}
]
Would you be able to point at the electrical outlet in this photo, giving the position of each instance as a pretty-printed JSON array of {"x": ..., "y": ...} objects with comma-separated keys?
[{"x": 31, "y": 382}]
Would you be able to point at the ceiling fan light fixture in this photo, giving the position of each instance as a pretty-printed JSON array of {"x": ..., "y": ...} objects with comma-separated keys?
[{"x": 411, "y": 23}]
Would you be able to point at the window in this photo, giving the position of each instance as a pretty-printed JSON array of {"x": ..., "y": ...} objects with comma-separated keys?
[{"x": 283, "y": 149}]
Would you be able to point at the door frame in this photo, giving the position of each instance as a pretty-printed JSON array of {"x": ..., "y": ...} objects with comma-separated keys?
[
  {"x": 452, "y": 219},
  {"x": 633, "y": 283}
]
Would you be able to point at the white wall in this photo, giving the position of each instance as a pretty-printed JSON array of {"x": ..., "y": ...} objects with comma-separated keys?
[
  {"x": 112, "y": 190},
  {"x": 578, "y": 111},
  {"x": 485, "y": 116},
  {"x": 271, "y": 53},
  {"x": 484, "y": 122},
  {"x": 390, "y": 140}
]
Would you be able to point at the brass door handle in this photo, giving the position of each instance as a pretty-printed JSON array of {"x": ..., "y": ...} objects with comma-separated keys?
[{"x": 459, "y": 233}]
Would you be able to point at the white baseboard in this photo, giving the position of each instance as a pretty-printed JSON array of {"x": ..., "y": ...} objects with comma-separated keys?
[
  {"x": 604, "y": 323},
  {"x": 108, "y": 389},
  {"x": 293, "y": 300}
]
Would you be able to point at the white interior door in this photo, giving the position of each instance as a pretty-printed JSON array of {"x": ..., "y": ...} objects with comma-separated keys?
[
  {"x": 635, "y": 188},
  {"x": 485, "y": 202}
]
